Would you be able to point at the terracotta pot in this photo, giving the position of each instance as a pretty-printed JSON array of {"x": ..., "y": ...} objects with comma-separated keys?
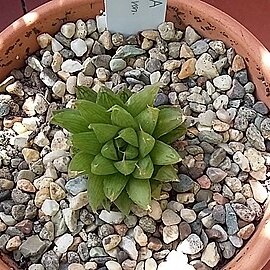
[{"x": 19, "y": 40}]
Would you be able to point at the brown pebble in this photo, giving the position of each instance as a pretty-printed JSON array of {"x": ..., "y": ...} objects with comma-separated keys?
[
  {"x": 217, "y": 197},
  {"x": 26, "y": 185},
  {"x": 238, "y": 63},
  {"x": 188, "y": 69},
  {"x": 25, "y": 226},
  {"x": 204, "y": 182},
  {"x": 184, "y": 230},
  {"x": 13, "y": 243},
  {"x": 121, "y": 229},
  {"x": 154, "y": 244},
  {"x": 246, "y": 232}
]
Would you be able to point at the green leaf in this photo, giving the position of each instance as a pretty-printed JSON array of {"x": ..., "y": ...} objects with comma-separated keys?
[
  {"x": 81, "y": 162},
  {"x": 108, "y": 150},
  {"x": 167, "y": 174},
  {"x": 71, "y": 120},
  {"x": 95, "y": 191},
  {"x": 104, "y": 132},
  {"x": 107, "y": 98},
  {"x": 125, "y": 167},
  {"x": 139, "y": 191},
  {"x": 129, "y": 135},
  {"x": 92, "y": 112},
  {"x": 86, "y": 93},
  {"x": 147, "y": 119},
  {"x": 120, "y": 117},
  {"x": 131, "y": 152},
  {"x": 87, "y": 142},
  {"x": 163, "y": 154},
  {"x": 114, "y": 185},
  {"x": 146, "y": 143},
  {"x": 174, "y": 135},
  {"x": 140, "y": 100},
  {"x": 168, "y": 119},
  {"x": 124, "y": 94},
  {"x": 156, "y": 187},
  {"x": 123, "y": 203},
  {"x": 102, "y": 166},
  {"x": 144, "y": 168}
]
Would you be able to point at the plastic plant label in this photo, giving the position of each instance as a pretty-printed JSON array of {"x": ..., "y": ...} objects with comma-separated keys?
[{"x": 131, "y": 16}]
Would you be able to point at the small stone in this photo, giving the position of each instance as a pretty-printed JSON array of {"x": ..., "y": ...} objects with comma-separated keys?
[
  {"x": 57, "y": 61},
  {"x": 48, "y": 77},
  {"x": 68, "y": 29},
  {"x": 185, "y": 184},
  {"x": 220, "y": 126},
  {"x": 59, "y": 89},
  {"x": 117, "y": 65},
  {"x": 221, "y": 102},
  {"x": 25, "y": 185},
  {"x": 71, "y": 84},
  {"x": 261, "y": 108},
  {"x": 186, "y": 52},
  {"x": 191, "y": 245},
  {"x": 56, "y": 45},
  {"x": 238, "y": 63},
  {"x": 34, "y": 63},
  {"x": 63, "y": 242},
  {"x": 112, "y": 241},
  {"x": 111, "y": 217},
  {"x": 241, "y": 161},
  {"x": 187, "y": 69},
  {"x": 161, "y": 99},
  {"x": 6, "y": 184},
  {"x": 223, "y": 82},
  {"x": 44, "y": 40},
  {"x": 76, "y": 266},
  {"x": 155, "y": 211},
  {"x": 205, "y": 66},
  {"x": 167, "y": 30},
  {"x": 216, "y": 175},
  {"x": 246, "y": 232},
  {"x": 170, "y": 233},
  {"x": 50, "y": 260},
  {"x": 50, "y": 207},
  {"x": 70, "y": 218},
  {"x": 56, "y": 192},
  {"x": 32, "y": 246},
  {"x": 169, "y": 218},
  {"x": 106, "y": 40},
  {"x": 244, "y": 212},
  {"x": 199, "y": 47},
  {"x": 112, "y": 265},
  {"x": 218, "y": 46},
  {"x": 191, "y": 36},
  {"x": 210, "y": 137},
  {"x": 254, "y": 137},
  {"x": 79, "y": 201},
  {"x": 81, "y": 29},
  {"x": 210, "y": 255},
  {"x": 128, "y": 51},
  {"x": 129, "y": 246},
  {"x": 13, "y": 243},
  {"x": 228, "y": 250},
  {"x": 15, "y": 88},
  {"x": 237, "y": 91},
  {"x": 147, "y": 224},
  {"x": 188, "y": 215},
  {"x": 76, "y": 185},
  {"x": 259, "y": 191},
  {"x": 150, "y": 264},
  {"x": 231, "y": 220},
  {"x": 71, "y": 66},
  {"x": 36, "y": 267},
  {"x": 140, "y": 237},
  {"x": 30, "y": 155}
]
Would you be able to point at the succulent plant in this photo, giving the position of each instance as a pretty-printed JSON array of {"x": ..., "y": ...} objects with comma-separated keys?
[{"x": 122, "y": 143}]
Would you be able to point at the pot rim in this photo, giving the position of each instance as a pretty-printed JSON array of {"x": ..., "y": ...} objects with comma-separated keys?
[{"x": 262, "y": 233}]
